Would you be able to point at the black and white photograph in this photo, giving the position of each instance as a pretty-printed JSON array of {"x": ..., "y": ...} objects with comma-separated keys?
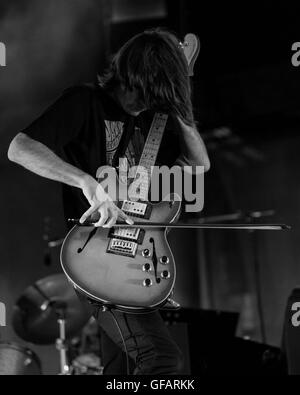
[{"x": 150, "y": 206}]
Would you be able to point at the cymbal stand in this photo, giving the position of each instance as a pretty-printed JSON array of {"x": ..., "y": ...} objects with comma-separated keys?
[{"x": 61, "y": 342}]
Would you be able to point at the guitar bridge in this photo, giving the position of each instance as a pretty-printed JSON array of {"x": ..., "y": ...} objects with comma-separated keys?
[{"x": 122, "y": 247}]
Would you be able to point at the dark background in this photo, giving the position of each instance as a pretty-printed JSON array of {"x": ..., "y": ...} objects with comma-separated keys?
[{"x": 244, "y": 83}]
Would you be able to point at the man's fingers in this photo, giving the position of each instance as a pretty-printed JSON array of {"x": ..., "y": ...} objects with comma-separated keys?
[
  {"x": 111, "y": 223},
  {"x": 113, "y": 217},
  {"x": 103, "y": 217},
  {"x": 125, "y": 217},
  {"x": 108, "y": 216},
  {"x": 88, "y": 213}
]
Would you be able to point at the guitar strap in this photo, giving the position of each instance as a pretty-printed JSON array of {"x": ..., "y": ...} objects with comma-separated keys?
[{"x": 125, "y": 139}]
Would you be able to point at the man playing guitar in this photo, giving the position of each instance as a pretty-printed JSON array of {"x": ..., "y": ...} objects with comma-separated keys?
[{"x": 92, "y": 126}]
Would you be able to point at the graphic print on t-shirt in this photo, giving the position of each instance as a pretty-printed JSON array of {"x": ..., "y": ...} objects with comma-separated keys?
[{"x": 114, "y": 131}]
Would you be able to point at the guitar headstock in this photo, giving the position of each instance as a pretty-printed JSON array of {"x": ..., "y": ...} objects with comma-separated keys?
[{"x": 191, "y": 48}]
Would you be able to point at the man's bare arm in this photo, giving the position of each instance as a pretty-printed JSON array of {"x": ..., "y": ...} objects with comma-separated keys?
[{"x": 40, "y": 160}]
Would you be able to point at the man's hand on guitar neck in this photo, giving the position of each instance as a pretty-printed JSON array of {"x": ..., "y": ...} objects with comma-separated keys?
[
  {"x": 194, "y": 152},
  {"x": 101, "y": 204}
]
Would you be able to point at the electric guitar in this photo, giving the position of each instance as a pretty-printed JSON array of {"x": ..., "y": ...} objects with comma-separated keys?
[{"x": 131, "y": 269}]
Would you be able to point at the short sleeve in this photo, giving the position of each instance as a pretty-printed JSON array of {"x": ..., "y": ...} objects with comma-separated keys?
[{"x": 62, "y": 122}]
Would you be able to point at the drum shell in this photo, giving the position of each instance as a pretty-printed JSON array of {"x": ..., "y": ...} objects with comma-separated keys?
[{"x": 16, "y": 360}]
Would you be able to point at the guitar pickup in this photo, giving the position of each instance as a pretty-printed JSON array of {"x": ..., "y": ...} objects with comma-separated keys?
[
  {"x": 128, "y": 234},
  {"x": 122, "y": 247},
  {"x": 136, "y": 209}
]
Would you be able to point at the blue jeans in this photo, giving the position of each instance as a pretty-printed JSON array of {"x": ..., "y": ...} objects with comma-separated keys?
[{"x": 150, "y": 346}]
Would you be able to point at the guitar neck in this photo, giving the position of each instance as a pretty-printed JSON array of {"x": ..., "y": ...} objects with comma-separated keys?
[
  {"x": 153, "y": 142},
  {"x": 191, "y": 49},
  {"x": 150, "y": 153}
]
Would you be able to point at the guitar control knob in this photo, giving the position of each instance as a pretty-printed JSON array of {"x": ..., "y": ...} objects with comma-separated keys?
[
  {"x": 147, "y": 282},
  {"x": 165, "y": 274},
  {"x": 164, "y": 260},
  {"x": 146, "y": 253},
  {"x": 147, "y": 267}
]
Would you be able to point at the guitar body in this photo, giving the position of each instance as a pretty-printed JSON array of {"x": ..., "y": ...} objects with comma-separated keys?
[{"x": 133, "y": 276}]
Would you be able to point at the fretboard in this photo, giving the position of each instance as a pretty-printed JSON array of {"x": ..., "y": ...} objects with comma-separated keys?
[{"x": 150, "y": 152}]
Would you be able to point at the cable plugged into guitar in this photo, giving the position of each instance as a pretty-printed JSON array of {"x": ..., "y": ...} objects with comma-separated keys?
[{"x": 171, "y": 305}]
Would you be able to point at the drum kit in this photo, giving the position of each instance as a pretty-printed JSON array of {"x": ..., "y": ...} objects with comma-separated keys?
[{"x": 50, "y": 313}]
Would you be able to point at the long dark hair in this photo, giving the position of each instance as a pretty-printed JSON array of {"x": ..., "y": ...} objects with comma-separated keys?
[{"x": 153, "y": 62}]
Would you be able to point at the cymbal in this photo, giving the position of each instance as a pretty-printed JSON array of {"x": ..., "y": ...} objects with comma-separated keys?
[{"x": 36, "y": 312}]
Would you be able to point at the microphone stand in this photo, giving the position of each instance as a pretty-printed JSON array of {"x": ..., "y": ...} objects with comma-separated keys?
[
  {"x": 257, "y": 270},
  {"x": 257, "y": 276},
  {"x": 249, "y": 218}
]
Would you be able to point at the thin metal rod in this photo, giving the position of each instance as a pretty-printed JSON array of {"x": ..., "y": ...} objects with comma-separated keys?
[
  {"x": 62, "y": 347},
  {"x": 259, "y": 296},
  {"x": 194, "y": 226}
]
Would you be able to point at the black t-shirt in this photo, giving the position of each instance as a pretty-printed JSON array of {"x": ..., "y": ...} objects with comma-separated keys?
[{"x": 88, "y": 129}]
